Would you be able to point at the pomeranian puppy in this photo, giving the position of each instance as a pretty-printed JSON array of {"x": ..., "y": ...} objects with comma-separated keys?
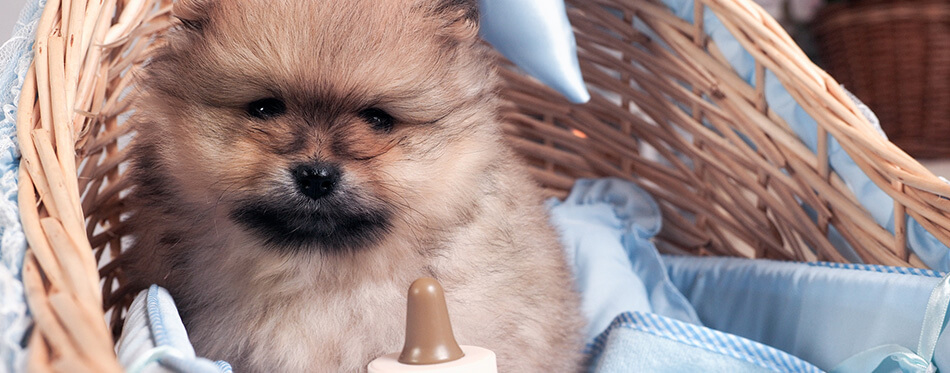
[{"x": 299, "y": 163}]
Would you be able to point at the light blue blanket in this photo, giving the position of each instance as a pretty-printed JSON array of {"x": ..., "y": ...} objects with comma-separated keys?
[
  {"x": 743, "y": 314},
  {"x": 638, "y": 320}
]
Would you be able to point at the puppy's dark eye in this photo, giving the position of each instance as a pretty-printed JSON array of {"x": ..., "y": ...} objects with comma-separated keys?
[
  {"x": 380, "y": 120},
  {"x": 267, "y": 108}
]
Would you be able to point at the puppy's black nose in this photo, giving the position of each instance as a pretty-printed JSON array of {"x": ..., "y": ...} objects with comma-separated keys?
[{"x": 316, "y": 180}]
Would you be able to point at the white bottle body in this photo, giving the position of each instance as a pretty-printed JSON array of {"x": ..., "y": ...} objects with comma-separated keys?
[{"x": 476, "y": 360}]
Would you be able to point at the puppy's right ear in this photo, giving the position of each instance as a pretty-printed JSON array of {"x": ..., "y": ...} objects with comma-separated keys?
[
  {"x": 193, "y": 14},
  {"x": 459, "y": 18}
]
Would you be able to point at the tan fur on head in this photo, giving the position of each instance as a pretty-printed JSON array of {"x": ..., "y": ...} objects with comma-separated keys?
[
  {"x": 191, "y": 12},
  {"x": 459, "y": 18},
  {"x": 438, "y": 194}
]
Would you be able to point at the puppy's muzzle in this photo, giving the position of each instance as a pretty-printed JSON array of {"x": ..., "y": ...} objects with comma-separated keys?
[{"x": 316, "y": 180}]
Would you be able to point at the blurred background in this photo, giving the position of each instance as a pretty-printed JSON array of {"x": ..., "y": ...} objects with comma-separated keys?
[
  {"x": 9, "y": 12},
  {"x": 893, "y": 54}
]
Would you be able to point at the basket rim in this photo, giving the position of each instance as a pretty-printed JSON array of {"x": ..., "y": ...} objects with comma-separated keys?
[{"x": 62, "y": 274}]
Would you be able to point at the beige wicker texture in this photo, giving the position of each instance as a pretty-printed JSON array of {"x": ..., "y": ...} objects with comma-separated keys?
[
  {"x": 895, "y": 56},
  {"x": 719, "y": 196}
]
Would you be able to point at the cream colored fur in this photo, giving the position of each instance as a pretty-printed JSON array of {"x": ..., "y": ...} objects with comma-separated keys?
[{"x": 462, "y": 208}]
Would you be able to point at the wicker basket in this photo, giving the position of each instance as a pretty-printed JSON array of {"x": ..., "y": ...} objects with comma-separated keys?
[
  {"x": 719, "y": 196},
  {"x": 895, "y": 56}
]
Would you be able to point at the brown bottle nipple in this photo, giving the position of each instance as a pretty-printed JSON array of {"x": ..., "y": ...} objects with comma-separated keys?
[{"x": 429, "y": 337}]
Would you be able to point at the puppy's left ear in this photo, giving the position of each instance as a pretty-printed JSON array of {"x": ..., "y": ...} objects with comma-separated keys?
[
  {"x": 193, "y": 14},
  {"x": 460, "y": 17}
]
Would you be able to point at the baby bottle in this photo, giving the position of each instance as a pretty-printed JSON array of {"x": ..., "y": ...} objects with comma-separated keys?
[{"x": 430, "y": 344}]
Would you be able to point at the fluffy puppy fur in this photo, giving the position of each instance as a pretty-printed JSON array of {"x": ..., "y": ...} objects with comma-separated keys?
[{"x": 399, "y": 97}]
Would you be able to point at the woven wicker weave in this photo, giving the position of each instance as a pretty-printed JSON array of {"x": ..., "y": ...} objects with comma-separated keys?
[
  {"x": 727, "y": 199},
  {"x": 895, "y": 56}
]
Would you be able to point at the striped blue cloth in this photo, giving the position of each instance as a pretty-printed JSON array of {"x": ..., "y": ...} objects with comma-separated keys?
[
  {"x": 645, "y": 340},
  {"x": 880, "y": 269},
  {"x": 154, "y": 339}
]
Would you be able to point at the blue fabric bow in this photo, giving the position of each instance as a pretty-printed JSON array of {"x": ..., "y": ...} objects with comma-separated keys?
[
  {"x": 893, "y": 357},
  {"x": 537, "y": 36}
]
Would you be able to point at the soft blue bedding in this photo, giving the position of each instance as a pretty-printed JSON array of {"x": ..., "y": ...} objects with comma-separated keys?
[
  {"x": 821, "y": 313},
  {"x": 607, "y": 227}
]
